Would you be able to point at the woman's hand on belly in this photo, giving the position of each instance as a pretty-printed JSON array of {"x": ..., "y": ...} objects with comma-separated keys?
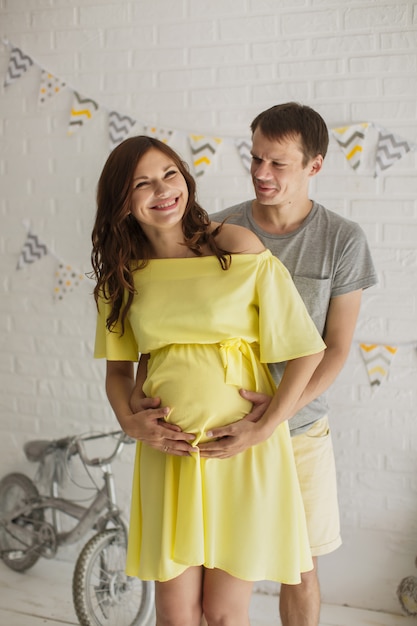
[{"x": 147, "y": 424}]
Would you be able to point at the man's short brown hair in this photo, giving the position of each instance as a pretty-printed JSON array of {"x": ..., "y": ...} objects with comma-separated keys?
[{"x": 298, "y": 121}]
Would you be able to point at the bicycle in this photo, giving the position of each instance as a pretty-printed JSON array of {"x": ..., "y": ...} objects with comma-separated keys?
[{"x": 103, "y": 595}]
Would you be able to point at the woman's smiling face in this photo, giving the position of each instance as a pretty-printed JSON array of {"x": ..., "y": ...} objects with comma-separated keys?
[{"x": 160, "y": 192}]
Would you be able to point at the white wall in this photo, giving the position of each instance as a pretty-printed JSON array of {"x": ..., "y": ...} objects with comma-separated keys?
[{"x": 208, "y": 67}]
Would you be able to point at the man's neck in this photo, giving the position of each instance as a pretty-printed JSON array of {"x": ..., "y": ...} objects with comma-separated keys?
[{"x": 280, "y": 219}]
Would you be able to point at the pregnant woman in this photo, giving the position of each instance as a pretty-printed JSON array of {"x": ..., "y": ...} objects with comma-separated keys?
[{"x": 205, "y": 307}]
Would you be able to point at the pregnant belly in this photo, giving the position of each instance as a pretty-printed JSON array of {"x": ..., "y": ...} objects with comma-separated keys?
[{"x": 191, "y": 380}]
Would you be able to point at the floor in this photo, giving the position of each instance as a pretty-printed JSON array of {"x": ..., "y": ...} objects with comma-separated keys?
[{"x": 43, "y": 596}]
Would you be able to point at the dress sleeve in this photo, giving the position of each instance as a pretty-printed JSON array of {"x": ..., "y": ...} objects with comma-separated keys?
[
  {"x": 114, "y": 346},
  {"x": 286, "y": 331}
]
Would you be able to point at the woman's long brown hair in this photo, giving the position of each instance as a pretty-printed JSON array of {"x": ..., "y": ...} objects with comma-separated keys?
[{"x": 120, "y": 246}]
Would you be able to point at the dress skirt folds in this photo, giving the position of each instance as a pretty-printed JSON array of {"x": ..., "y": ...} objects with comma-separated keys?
[{"x": 210, "y": 332}]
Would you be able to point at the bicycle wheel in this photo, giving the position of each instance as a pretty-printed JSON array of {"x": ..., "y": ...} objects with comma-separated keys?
[
  {"x": 407, "y": 595},
  {"x": 103, "y": 594},
  {"x": 18, "y": 538}
]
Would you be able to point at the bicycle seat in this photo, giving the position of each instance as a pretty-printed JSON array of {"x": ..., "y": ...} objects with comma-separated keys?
[{"x": 36, "y": 450}]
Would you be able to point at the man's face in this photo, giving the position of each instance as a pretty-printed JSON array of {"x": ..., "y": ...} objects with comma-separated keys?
[{"x": 278, "y": 174}]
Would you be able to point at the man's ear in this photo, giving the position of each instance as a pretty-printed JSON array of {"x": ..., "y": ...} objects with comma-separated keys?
[{"x": 316, "y": 165}]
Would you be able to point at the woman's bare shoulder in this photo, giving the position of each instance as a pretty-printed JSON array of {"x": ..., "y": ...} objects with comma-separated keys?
[{"x": 238, "y": 239}]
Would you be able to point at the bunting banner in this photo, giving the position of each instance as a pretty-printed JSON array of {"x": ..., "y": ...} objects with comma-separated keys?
[
  {"x": 19, "y": 63},
  {"x": 390, "y": 148},
  {"x": 244, "y": 147},
  {"x": 377, "y": 359},
  {"x": 203, "y": 150},
  {"x": 49, "y": 86},
  {"x": 33, "y": 250},
  {"x": 386, "y": 149},
  {"x": 159, "y": 133},
  {"x": 119, "y": 128},
  {"x": 351, "y": 140},
  {"x": 66, "y": 280},
  {"x": 82, "y": 111}
]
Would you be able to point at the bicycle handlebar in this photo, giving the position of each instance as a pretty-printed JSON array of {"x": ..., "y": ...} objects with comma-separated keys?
[
  {"x": 78, "y": 447},
  {"x": 37, "y": 450}
]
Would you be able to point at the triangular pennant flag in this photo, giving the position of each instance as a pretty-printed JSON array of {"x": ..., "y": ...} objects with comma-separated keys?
[
  {"x": 203, "y": 149},
  {"x": 49, "y": 86},
  {"x": 119, "y": 127},
  {"x": 351, "y": 140},
  {"x": 390, "y": 149},
  {"x": 66, "y": 279},
  {"x": 82, "y": 111},
  {"x": 18, "y": 64},
  {"x": 33, "y": 250},
  {"x": 377, "y": 359},
  {"x": 244, "y": 147},
  {"x": 158, "y": 133}
]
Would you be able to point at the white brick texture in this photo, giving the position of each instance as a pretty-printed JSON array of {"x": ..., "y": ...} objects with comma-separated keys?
[{"x": 208, "y": 67}]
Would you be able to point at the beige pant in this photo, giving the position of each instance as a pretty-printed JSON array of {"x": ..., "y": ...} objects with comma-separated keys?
[{"x": 313, "y": 451}]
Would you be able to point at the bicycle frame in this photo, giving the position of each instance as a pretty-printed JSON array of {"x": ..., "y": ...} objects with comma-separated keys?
[
  {"x": 103, "y": 594},
  {"x": 94, "y": 516}
]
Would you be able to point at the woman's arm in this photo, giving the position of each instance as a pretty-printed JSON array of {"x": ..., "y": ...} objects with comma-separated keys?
[
  {"x": 147, "y": 422},
  {"x": 137, "y": 395}
]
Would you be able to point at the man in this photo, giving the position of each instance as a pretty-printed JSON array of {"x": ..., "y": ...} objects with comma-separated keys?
[{"x": 329, "y": 260}]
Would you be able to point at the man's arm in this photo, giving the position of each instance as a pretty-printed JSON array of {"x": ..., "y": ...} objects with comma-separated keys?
[
  {"x": 340, "y": 325},
  {"x": 146, "y": 423},
  {"x": 238, "y": 436}
]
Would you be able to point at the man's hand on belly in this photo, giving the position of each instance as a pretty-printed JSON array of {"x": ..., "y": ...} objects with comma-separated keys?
[{"x": 238, "y": 436}]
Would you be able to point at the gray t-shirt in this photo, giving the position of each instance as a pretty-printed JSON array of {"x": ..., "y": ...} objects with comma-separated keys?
[{"x": 327, "y": 256}]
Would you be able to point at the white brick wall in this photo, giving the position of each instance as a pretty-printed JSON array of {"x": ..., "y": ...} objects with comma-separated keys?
[{"x": 209, "y": 67}]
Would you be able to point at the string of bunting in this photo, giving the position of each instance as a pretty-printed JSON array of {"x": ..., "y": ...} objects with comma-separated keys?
[
  {"x": 66, "y": 277},
  {"x": 385, "y": 150},
  {"x": 366, "y": 145}
]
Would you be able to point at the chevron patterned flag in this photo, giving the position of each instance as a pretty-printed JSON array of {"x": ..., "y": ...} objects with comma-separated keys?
[
  {"x": 66, "y": 279},
  {"x": 18, "y": 64},
  {"x": 119, "y": 127},
  {"x": 33, "y": 250},
  {"x": 82, "y": 111},
  {"x": 203, "y": 149},
  {"x": 377, "y": 359},
  {"x": 158, "y": 133},
  {"x": 49, "y": 86},
  {"x": 244, "y": 147},
  {"x": 390, "y": 148},
  {"x": 351, "y": 140}
]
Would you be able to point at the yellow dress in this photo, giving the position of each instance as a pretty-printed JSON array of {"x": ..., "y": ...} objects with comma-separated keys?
[{"x": 209, "y": 333}]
